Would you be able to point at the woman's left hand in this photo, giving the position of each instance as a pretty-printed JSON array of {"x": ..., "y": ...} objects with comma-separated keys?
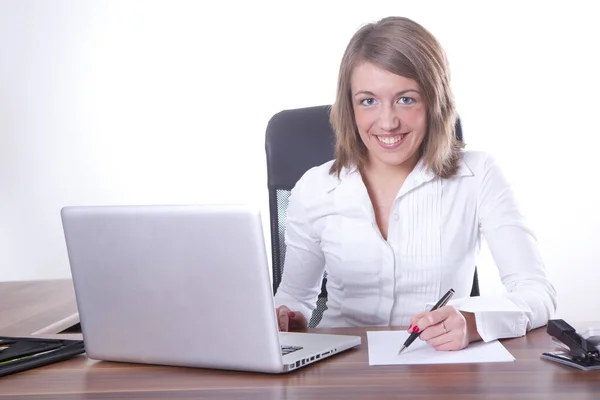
[{"x": 445, "y": 328}]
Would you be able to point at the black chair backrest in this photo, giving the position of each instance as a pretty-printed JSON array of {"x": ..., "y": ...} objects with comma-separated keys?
[{"x": 297, "y": 140}]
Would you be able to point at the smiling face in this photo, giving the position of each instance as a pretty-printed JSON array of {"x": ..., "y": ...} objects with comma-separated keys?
[{"x": 391, "y": 115}]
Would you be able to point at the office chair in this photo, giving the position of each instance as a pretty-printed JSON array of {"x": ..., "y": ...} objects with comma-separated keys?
[{"x": 297, "y": 140}]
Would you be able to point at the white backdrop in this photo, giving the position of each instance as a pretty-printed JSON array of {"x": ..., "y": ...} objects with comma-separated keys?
[{"x": 149, "y": 102}]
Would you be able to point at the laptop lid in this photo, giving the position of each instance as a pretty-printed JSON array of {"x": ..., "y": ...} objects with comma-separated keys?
[{"x": 173, "y": 285}]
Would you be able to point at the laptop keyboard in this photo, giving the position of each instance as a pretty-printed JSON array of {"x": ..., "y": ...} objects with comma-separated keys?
[{"x": 289, "y": 349}]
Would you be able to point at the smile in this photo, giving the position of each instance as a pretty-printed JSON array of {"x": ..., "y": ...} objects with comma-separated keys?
[{"x": 390, "y": 142}]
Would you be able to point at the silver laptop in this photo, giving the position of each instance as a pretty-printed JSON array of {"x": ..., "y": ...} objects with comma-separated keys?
[{"x": 182, "y": 285}]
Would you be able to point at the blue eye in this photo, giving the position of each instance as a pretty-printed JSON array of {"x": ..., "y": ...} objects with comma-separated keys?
[
  {"x": 368, "y": 102},
  {"x": 406, "y": 100}
]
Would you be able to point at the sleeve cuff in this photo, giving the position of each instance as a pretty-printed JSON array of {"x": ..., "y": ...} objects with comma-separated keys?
[{"x": 500, "y": 325}]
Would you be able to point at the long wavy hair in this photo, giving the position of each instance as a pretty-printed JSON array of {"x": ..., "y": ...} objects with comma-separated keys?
[{"x": 403, "y": 47}]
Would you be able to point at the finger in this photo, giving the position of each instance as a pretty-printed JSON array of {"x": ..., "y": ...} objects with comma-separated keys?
[
  {"x": 414, "y": 319},
  {"x": 433, "y": 331},
  {"x": 283, "y": 318},
  {"x": 434, "y": 317},
  {"x": 297, "y": 320},
  {"x": 440, "y": 340},
  {"x": 449, "y": 346}
]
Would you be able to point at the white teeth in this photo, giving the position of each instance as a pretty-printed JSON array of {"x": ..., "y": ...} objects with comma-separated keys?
[{"x": 390, "y": 139}]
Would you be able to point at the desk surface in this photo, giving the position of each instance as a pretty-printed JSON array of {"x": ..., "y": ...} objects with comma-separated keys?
[
  {"x": 37, "y": 307},
  {"x": 347, "y": 375}
]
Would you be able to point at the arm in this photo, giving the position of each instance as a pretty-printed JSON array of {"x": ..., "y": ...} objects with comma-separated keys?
[
  {"x": 530, "y": 299},
  {"x": 304, "y": 261}
]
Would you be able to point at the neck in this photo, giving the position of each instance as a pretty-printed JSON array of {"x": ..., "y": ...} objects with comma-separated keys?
[
  {"x": 383, "y": 182},
  {"x": 378, "y": 172}
]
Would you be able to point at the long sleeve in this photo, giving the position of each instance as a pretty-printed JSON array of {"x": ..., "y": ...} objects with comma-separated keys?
[
  {"x": 304, "y": 260},
  {"x": 530, "y": 298}
]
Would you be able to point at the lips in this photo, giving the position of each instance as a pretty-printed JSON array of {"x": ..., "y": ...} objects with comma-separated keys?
[{"x": 390, "y": 141}]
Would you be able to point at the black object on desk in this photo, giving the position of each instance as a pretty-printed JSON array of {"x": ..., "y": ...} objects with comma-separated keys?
[
  {"x": 19, "y": 354},
  {"x": 581, "y": 353}
]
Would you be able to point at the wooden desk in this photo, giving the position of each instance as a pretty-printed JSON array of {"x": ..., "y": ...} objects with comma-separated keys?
[
  {"x": 33, "y": 306},
  {"x": 347, "y": 376},
  {"x": 37, "y": 307}
]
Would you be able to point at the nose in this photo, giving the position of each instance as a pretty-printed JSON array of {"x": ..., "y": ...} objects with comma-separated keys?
[{"x": 388, "y": 120}]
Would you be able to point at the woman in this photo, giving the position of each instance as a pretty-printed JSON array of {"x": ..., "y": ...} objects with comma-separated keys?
[{"x": 396, "y": 219}]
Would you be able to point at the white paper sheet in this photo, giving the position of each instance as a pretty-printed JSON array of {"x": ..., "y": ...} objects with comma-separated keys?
[{"x": 384, "y": 346}]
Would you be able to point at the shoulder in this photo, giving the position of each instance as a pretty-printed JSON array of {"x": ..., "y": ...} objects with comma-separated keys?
[
  {"x": 478, "y": 171},
  {"x": 490, "y": 181},
  {"x": 476, "y": 163},
  {"x": 310, "y": 196},
  {"x": 316, "y": 181}
]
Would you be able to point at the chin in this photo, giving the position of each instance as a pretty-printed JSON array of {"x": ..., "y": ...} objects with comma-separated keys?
[{"x": 395, "y": 161}]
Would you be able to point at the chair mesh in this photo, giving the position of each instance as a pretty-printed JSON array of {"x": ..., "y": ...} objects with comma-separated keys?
[
  {"x": 283, "y": 200},
  {"x": 278, "y": 218}
]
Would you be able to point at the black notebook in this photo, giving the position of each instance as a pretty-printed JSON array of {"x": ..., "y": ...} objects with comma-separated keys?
[{"x": 19, "y": 354}]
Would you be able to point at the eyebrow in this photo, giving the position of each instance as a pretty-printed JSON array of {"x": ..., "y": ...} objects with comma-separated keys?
[{"x": 369, "y": 93}]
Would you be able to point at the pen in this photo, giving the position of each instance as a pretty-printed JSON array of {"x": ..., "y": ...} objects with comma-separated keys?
[{"x": 441, "y": 303}]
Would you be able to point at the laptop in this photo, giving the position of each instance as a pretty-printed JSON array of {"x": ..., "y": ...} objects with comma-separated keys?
[{"x": 182, "y": 285}]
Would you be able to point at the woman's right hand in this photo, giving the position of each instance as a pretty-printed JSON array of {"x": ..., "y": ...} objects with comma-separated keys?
[{"x": 288, "y": 320}]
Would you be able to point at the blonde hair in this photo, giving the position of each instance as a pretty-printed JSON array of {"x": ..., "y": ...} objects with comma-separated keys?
[{"x": 403, "y": 47}]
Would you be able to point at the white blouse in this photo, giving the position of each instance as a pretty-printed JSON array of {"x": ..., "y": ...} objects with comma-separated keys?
[{"x": 433, "y": 239}]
